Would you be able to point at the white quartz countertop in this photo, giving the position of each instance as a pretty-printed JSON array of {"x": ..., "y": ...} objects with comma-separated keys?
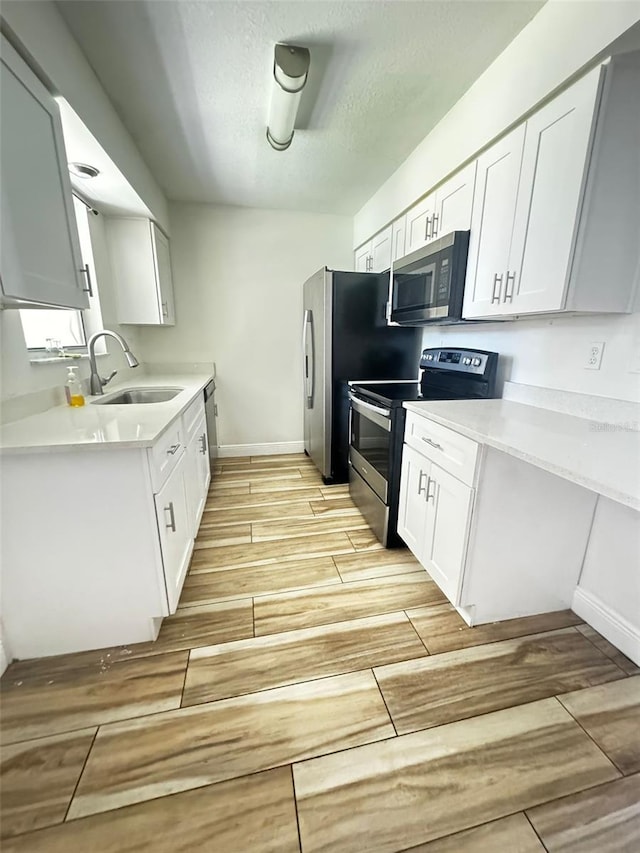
[
  {"x": 93, "y": 427},
  {"x": 599, "y": 455}
]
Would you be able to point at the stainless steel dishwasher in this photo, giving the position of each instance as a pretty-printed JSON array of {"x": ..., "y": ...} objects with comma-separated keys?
[{"x": 211, "y": 411}]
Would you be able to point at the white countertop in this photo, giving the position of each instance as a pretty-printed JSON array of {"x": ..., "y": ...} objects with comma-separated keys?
[
  {"x": 92, "y": 427},
  {"x": 603, "y": 457}
]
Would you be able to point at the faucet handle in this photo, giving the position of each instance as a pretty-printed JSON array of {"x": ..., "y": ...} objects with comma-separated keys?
[{"x": 108, "y": 379}]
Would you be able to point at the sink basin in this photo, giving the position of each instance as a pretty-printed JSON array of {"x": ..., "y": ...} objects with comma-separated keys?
[{"x": 139, "y": 395}]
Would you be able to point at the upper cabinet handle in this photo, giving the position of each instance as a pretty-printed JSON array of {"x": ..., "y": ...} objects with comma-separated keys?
[
  {"x": 497, "y": 283},
  {"x": 508, "y": 294},
  {"x": 427, "y": 232},
  {"x": 88, "y": 289},
  {"x": 434, "y": 225}
]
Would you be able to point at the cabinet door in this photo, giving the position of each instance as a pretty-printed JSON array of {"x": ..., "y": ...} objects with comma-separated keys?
[
  {"x": 398, "y": 231},
  {"x": 420, "y": 224},
  {"x": 554, "y": 165},
  {"x": 176, "y": 535},
  {"x": 454, "y": 202},
  {"x": 412, "y": 508},
  {"x": 381, "y": 251},
  {"x": 164, "y": 279},
  {"x": 41, "y": 260},
  {"x": 197, "y": 481},
  {"x": 494, "y": 207},
  {"x": 363, "y": 258},
  {"x": 447, "y": 523}
]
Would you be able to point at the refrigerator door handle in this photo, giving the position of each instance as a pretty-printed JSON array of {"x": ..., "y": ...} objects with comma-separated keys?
[{"x": 309, "y": 371}]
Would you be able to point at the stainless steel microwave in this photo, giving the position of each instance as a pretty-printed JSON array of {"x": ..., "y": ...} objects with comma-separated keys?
[{"x": 427, "y": 286}]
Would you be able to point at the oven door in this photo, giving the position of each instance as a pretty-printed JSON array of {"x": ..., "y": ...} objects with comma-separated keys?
[{"x": 370, "y": 444}]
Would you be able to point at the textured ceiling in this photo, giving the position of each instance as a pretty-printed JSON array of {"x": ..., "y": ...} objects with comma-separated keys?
[{"x": 191, "y": 81}]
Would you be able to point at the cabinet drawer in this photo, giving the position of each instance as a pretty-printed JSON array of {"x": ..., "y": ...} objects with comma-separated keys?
[
  {"x": 451, "y": 451},
  {"x": 164, "y": 455},
  {"x": 192, "y": 417}
]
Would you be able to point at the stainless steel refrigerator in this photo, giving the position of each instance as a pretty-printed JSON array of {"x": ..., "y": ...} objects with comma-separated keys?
[{"x": 345, "y": 336}]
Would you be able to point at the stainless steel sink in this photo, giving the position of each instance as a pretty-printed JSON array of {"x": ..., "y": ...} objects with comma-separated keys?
[{"x": 139, "y": 395}]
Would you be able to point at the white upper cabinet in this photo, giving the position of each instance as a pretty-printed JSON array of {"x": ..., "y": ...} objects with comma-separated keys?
[
  {"x": 41, "y": 260},
  {"x": 492, "y": 224},
  {"x": 420, "y": 224},
  {"x": 375, "y": 256},
  {"x": 362, "y": 258},
  {"x": 556, "y": 216},
  {"x": 454, "y": 202},
  {"x": 556, "y": 153},
  {"x": 445, "y": 210},
  {"x": 398, "y": 232},
  {"x": 381, "y": 251},
  {"x": 141, "y": 263}
]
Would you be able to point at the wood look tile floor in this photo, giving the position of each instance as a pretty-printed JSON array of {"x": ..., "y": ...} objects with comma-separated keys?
[{"x": 316, "y": 692}]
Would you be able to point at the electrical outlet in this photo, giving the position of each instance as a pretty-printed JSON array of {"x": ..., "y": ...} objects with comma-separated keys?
[{"x": 594, "y": 357}]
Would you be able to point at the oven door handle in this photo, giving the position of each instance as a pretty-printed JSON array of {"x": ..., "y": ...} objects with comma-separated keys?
[{"x": 380, "y": 416}]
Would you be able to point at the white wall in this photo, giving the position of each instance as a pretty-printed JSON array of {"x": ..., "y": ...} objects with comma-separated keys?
[
  {"x": 45, "y": 36},
  {"x": 18, "y": 376},
  {"x": 238, "y": 276},
  {"x": 562, "y": 39},
  {"x": 551, "y": 353}
]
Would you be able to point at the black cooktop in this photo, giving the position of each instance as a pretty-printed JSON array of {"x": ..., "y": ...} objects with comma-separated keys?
[{"x": 445, "y": 375}]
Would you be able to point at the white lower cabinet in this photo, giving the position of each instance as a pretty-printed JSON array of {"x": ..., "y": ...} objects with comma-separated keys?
[
  {"x": 412, "y": 513},
  {"x": 197, "y": 473},
  {"x": 176, "y": 530},
  {"x": 502, "y": 538},
  {"x": 109, "y": 561},
  {"x": 447, "y": 524},
  {"x": 433, "y": 519}
]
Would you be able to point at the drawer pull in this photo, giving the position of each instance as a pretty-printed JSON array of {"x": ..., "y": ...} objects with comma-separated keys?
[
  {"x": 173, "y": 449},
  {"x": 172, "y": 524},
  {"x": 432, "y": 443}
]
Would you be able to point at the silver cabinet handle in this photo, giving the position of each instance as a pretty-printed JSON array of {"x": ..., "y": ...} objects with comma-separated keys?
[
  {"x": 172, "y": 523},
  {"x": 203, "y": 444},
  {"x": 427, "y": 232},
  {"x": 430, "y": 496},
  {"x": 165, "y": 310},
  {"x": 88, "y": 289},
  {"x": 173, "y": 449},
  {"x": 434, "y": 225},
  {"x": 508, "y": 294},
  {"x": 432, "y": 442},
  {"x": 497, "y": 283},
  {"x": 421, "y": 488}
]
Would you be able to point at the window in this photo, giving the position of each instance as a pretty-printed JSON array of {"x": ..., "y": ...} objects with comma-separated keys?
[
  {"x": 48, "y": 332},
  {"x": 52, "y": 329}
]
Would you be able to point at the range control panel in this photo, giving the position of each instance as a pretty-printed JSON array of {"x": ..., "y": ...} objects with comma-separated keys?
[{"x": 463, "y": 360}]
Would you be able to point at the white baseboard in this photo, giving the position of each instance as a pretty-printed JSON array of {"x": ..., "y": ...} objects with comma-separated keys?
[
  {"x": 226, "y": 450},
  {"x": 608, "y": 622}
]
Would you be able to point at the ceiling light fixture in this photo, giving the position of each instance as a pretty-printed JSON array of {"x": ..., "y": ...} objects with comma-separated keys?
[
  {"x": 290, "y": 71},
  {"x": 82, "y": 170}
]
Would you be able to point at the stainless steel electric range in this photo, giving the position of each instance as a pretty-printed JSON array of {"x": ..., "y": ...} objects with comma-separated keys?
[{"x": 376, "y": 427}]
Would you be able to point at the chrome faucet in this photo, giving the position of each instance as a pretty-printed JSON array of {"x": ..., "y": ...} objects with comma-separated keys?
[{"x": 97, "y": 383}]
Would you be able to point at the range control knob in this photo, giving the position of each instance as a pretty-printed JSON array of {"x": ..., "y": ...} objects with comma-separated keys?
[
  {"x": 466, "y": 360},
  {"x": 476, "y": 362}
]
